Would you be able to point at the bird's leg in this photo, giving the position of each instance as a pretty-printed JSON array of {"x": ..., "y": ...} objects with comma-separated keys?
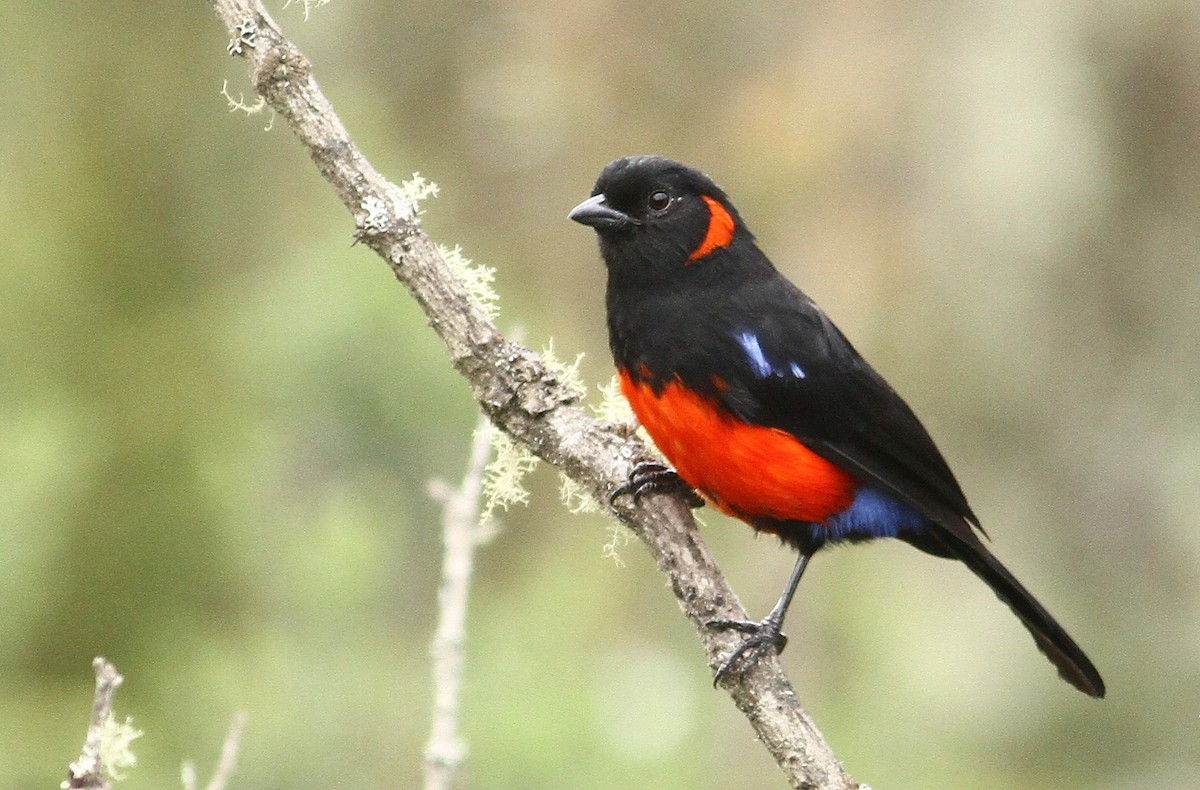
[
  {"x": 649, "y": 476},
  {"x": 763, "y": 634}
]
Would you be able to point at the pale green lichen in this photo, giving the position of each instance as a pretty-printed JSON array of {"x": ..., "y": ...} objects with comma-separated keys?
[
  {"x": 504, "y": 476},
  {"x": 568, "y": 375},
  {"x": 110, "y": 754},
  {"x": 239, "y": 105},
  {"x": 476, "y": 278},
  {"x": 575, "y": 497},
  {"x": 308, "y": 5},
  {"x": 619, "y": 537},
  {"x": 116, "y": 747},
  {"x": 418, "y": 188},
  {"x": 612, "y": 406}
]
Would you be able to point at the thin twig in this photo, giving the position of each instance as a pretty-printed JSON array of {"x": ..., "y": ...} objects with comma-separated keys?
[
  {"x": 461, "y": 533},
  {"x": 90, "y": 772},
  {"x": 226, "y": 765},
  {"x": 522, "y": 396}
]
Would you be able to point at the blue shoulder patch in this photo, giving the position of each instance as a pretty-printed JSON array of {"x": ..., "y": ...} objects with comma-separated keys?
[{"x": 759, "y": 362}]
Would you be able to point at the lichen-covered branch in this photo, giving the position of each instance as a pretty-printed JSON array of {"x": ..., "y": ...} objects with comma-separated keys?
[
  {"x": 520, "y": 394},
  {"x": 106, "y": 751}
]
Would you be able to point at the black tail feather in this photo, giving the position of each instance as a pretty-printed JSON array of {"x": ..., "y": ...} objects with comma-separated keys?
[{"x": 1073, "y": 665}]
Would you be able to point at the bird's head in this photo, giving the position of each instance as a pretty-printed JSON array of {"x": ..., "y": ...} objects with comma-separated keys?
[{"x": 655, "y": 217}]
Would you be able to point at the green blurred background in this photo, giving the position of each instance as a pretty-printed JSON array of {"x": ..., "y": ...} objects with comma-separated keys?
[{"x": 218, "y": 420}]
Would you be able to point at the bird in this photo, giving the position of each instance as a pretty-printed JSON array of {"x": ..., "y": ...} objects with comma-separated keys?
[{"x": 762, "y": 406}]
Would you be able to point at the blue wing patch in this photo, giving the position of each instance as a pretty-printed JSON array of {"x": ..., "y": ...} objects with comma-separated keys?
[{"x": 759, "y": 362}]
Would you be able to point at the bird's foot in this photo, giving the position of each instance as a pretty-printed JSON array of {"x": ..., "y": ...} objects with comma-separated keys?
[
  {"x": 763, "y": 635},
  {"x": 649, "y": 476}
]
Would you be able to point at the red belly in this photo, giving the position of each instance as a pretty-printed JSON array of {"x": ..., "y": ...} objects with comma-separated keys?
[{"x": 747, "y": 471}]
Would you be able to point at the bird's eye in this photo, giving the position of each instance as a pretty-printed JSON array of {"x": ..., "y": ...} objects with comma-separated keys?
[{"x": 658, "y": 201}]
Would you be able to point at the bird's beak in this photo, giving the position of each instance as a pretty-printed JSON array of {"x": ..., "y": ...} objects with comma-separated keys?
[{"x": 598, "y": 214}]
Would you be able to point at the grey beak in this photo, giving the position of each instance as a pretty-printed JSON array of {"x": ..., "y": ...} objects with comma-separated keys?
[{"x": 598, "y": 214}]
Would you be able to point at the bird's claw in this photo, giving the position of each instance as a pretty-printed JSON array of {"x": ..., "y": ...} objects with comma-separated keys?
[
  {"x": 650, "y": 476},
  {"x": 762, "y": 635}
]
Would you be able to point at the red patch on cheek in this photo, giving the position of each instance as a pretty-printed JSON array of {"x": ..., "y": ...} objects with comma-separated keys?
[{"x": 720, "y": 229}]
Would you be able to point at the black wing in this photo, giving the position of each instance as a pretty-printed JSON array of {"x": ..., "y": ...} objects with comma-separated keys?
[
  {"x": 803, "y": 376},
  {"x": 816, "y": 386}
]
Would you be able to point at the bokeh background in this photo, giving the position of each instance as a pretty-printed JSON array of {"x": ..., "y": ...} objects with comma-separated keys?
[{"x": 218, "y": 420}]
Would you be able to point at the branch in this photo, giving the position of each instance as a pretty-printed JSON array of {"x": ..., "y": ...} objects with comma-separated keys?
[
  {"x": 106, "y": 747},
  {"x": 227, "y": 763},
  {"x": 461, "y": 533},
  {"x": 521, "y": 396}
]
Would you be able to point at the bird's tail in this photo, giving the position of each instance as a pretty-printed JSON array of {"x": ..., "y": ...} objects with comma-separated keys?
[{"x": 1073, "y": 665}]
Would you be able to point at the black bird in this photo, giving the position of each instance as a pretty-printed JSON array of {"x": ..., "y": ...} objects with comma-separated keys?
[{"x": 762, "y": 405}]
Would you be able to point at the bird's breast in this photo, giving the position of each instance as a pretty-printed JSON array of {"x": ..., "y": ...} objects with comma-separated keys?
[{"x": 752, "y": 472}]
